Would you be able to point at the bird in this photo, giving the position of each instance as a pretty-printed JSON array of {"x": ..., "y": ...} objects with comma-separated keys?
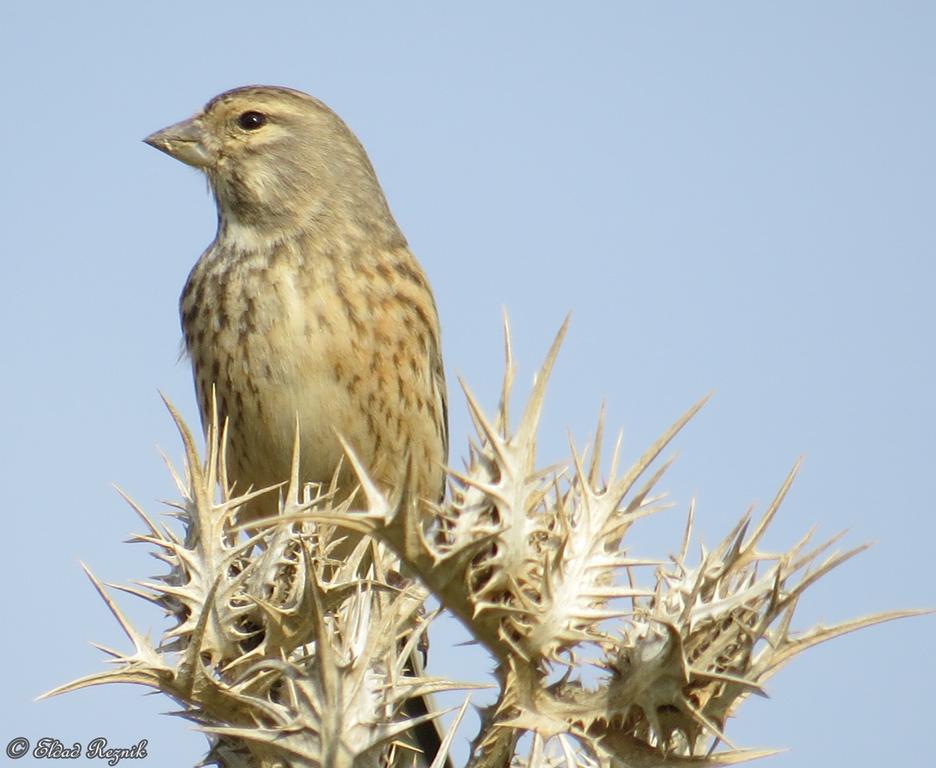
[
  {"x": 309, "y": 303},
  {"x": 308, "y": 310}
]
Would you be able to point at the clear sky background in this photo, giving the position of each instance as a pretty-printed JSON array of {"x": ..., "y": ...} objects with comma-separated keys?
[{"x": 736, "y": 196}]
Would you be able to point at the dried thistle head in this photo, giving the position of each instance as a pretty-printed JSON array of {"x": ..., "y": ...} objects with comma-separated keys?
[
  {"x": 281, "y": 651},
  {"x": 536, "y": 564}
]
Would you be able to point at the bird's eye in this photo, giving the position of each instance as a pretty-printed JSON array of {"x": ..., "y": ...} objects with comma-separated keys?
[{"x": 251, "y": 121}]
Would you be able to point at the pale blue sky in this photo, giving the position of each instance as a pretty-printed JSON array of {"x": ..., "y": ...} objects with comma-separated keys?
[{"x": 735, "y": 196}]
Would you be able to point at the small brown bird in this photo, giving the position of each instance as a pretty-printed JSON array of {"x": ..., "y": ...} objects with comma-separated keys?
[{"x": 308, "y": 304}]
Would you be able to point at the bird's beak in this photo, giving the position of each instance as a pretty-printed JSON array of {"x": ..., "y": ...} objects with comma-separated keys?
[{"x": 184, "y": 141}]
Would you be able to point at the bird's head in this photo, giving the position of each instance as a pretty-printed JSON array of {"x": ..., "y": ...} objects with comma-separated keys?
[{"x": 278, "y": 161}]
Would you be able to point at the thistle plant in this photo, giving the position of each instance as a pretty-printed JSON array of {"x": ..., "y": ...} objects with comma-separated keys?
[{"x": 296, "y": 642}]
